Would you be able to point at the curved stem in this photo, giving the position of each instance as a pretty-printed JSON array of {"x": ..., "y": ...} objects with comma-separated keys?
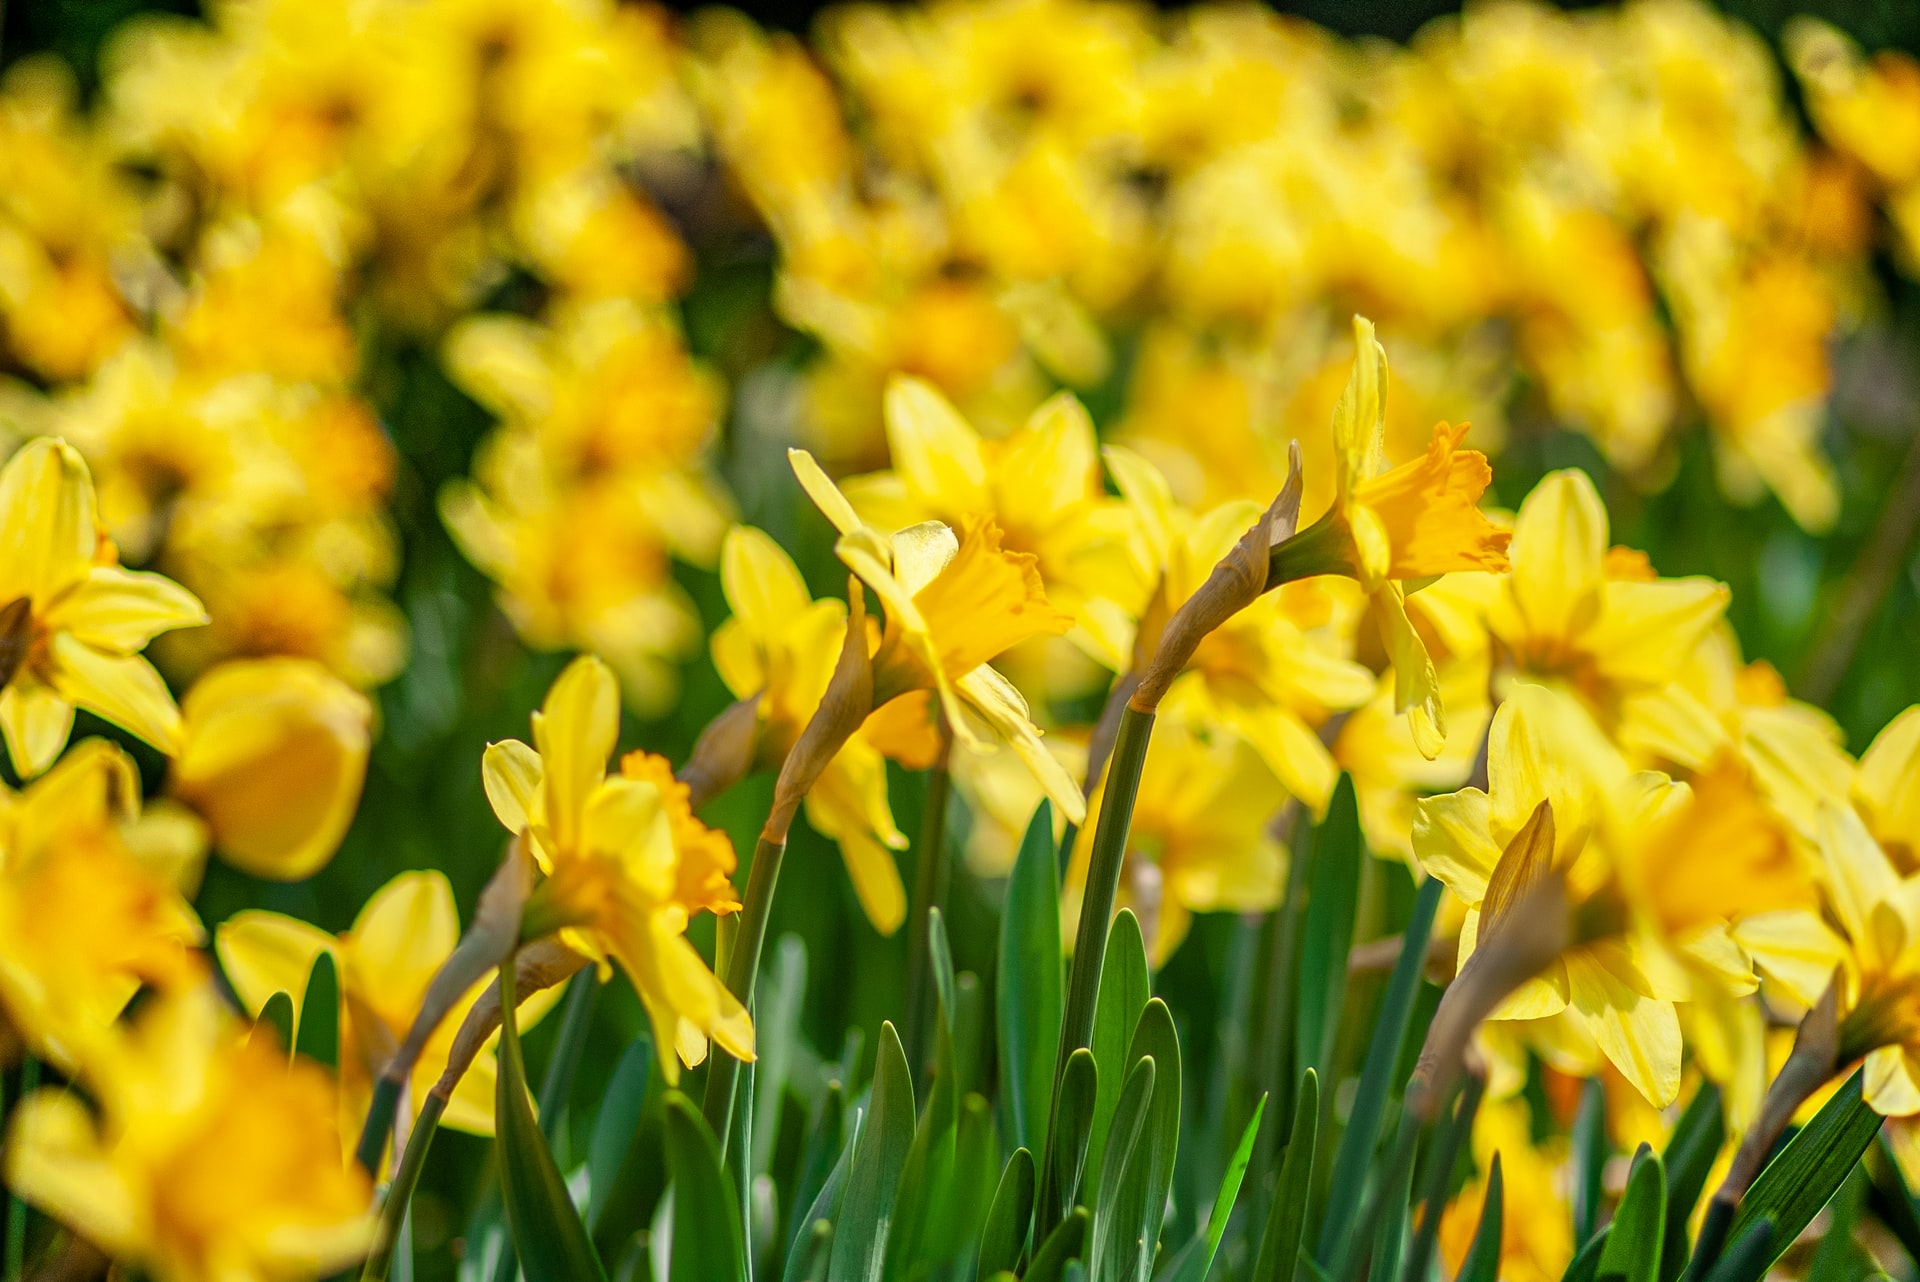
[{"x": 400, "y": 1193}]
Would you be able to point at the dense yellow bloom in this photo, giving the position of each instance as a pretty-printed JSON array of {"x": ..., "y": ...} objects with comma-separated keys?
[
  {"x": 622, "y": 878},
  {"x": 953, "y": 602},
  {"x": 779, "y": 649},
  {"x": 385, "y": 962},
  {"x": 209, "y": 1157},
  {"x": 273, "y": 753},
  {"x": 1201, "y": 837},
  {"x": 72, "y": 623},
  {"x": 1041, "y": 485},
  {"x": 84, "y": 923}
]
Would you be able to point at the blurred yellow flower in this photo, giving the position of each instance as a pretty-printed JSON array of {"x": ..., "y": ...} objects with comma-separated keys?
[
  {"x": 953, "y": 602},
  {"x": 273, "y": 753},
  {"x": 1536, "y": 1227},
  {"x": 208, "y": 1157},
  {"x": 617, "y": 872},
  {"x": 72, "y": 623},
  {"x": 84, "y": 922}
]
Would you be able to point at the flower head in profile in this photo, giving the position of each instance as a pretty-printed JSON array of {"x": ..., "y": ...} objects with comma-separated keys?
[
  {"x": 625, "y": 864},
  {"x": 1391, "y": 526},
  {"x": 385, "y": 962},
  {"x": 209, "y": 1156},
  {"x": 84, "y": 923},
  {"x": 72, "y": 623},
  {"x": 954, "y": 601}
]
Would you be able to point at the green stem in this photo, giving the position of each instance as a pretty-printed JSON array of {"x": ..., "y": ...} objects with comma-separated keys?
[
  {"x": 743, "y": 965},
  {"x": 16, "y": 1209},
  {"x": 1439, "y": 1181},
  {"x": 575, "y": 1021},
  {"x": 929, "y": 891},
  {"x": 400, "y": 1192}
]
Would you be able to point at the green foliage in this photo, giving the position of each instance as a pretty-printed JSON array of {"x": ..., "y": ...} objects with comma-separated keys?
[
  {"x": 1632, "y": 1253},
  {"x": 1287, "y": 1217},
  {"x": 319, "y": 1035},
  {"x": 880, "y": 1159},
  {"x": 1031, "y": 983},
  {"x": 707, "y": 1240},
  {"x": 1809, "y": 1171},
  {"x": 1482, "y": 1263},
  {"x": 276, "y": 1021},
  {"x": 1125, "y": 986}
]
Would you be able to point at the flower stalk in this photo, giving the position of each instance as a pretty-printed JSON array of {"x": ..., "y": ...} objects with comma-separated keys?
[{"x": 932, "y": 874}]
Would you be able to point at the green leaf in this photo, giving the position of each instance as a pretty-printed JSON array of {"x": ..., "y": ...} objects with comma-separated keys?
[
  {"x": 1286, "y": 1221},
  {"x": 1585, "y": 1265},
  {"x": 390, "y": 1245},
  {"x": 276, "y": 1019},
  {"x": 1639, "y": 1225},
  {"x": 1806, "y": 1174},
  {"x": 879, "y": 1162},
  {"x": 807, "y": 1257},
  {"x": 1748, "y": 1259},
  {"x": 825, "y": 1158},
  {"x": 1839, "y": 1258},
  {"x": 969, "y": 1190},
  {"x": 1149, "y": 1176},
  {"x": 1009, "y": 1219},
  {"x": 1361, "y": 1138},
  {"x": 1590, "y": 1153},
  {"x": 1113, "y": 1230},
  {"x": 1483, "y": 1256},
  {"x": 1073, "y": 1124},
  {"x": 1125, "y": 986},
  {"x": 1890, "y": 1199},
  {"x": 1444, "y": 1155},
  {"x": 547, "y": 1233},
  {"x": 1333, "y": 892},
  {"x": 707, "y": 1239},
  {"x": 618, "y": 1120},
  {"x": 1691, "y": 1150},
  {"x": 926, "y": 1180},
  {"x": 1063, "y": 1244},
  {"x": 1030, "y": 983},
  {"x": 1230, "y": 1185},
  {"x": 319, "y": 1036},
  {"x": 1390, "y": 1236},
  {"x": 776, "y": 1020}
]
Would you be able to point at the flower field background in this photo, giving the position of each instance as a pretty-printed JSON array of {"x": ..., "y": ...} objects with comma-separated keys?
[{"x": 978, "y": 464}]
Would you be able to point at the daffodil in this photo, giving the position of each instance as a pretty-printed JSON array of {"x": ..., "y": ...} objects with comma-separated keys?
[
  {"x": 1041, "y": 485},
  {"x": 779, "y": 650},
  {"x": 84, "y": 923},
  {"x": 622, "y": 878},
  {"x": 207, "y": 1155},
  {"x": 385, "y": 961},
  {"x": 1201, "y": 837},
  {"x": 1557, "y": 796},
  {"x": 72, "y": 623},
  {"x": 273, "y": 755},
  {"x": 1412, "y": 522},
  {"x": 953, "y": 602}
]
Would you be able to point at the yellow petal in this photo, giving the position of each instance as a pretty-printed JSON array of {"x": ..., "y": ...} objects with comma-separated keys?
[
  {"x": 515, "y": 783},
  {"x": 876, "y": 880},
  {"x": 761, "y": 583},
  {"x": 934, "y": 449},
  {"x": 1360, "y": 416},
  {"x": 1794, "y": 949},
  {"x": 1888, "y": 786},
  {"x": 1416, "y": 686},
  {"x": 825, "y": 495},
  {"x": 1647, "y": 626},
  {"x": 119, "y": 611},
  {"x": 994, "y": 698},
  {"x": 1559, "y": 549},
  {"x": 1050, "y": 465},
  {"x": 1451, "y": 839},
  {"x": 627, "y": 818},
  {"x": 1639, "y": 1035},
  {"x": 1866, "y": 891},
  {"x": 984, "y": 601},
  {"x": 575, "y": 731},
  {"x": 47, "y": 521},
  {"x": 1892, "y": 1086},
  {"x": 36, "y": 722},
  {"x": 1289, "y": 747},
  {"x": 124, "y": 689},
  {"x": 264, "y": 953},
  {"x": 398, "y": 942},
  {"x": 55, "y": 1162},
  {"x": 1531, "y": 758}
]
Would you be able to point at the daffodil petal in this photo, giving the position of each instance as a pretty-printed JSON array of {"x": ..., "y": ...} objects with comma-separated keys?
[
  {"x": 37, "y": 723},
  {"x": 514, "y": 779},
  {"x": 125, "y": 689},
  {"x": 575, "y": 731},
  {"x": 264, "y": 953},
  {"x": 47, "y": 521},
  {"x": 119, "y": 611}
]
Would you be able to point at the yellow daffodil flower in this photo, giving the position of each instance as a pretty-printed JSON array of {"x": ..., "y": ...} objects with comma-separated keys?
[
  {"x": 622, "y": 876},
  {"x": 953, "y": 601},
  {"x": 1200, "y": 840},
  {"x": 385, "y": 962},
  {"x": 84, "y": 923},
  {"x": 1041, "y": 485},
  {"x": 273, "y": 755},
  {"x": 208, "y": 1156},
  {"x": 779, "y": 649},
  {"x": 72, "y": 623},
  {"x": 1412, "y": 522}
]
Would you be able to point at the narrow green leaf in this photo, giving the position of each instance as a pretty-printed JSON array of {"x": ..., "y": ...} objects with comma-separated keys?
[
  {"x": 1483, "y": 1256},
  {"x": 1390, "y": 1234},
  {"x": 1074, "y": 1122},
  {"x": 1063, "y": 1244},
  {"x": 1009, "y": 1219},
  {"x": 825, "y": 1205},
  {"x": 618, "y": 1120},
  {"x": 1286, "y": 1221},
  {"x": 1590, "y": 1153},
  {"x": 1030, "y": 983},
  {"x": 1585, "y": 1266},
  {"x": 1695, "y": 1143},
  {"x": 1808, "y": 1172},
  {"x": 1639, "y": 1232},
  {"x": 1149, "y": 1176},
  {"x": 827, "y": 1154},
  {"x": 776, "y": 1019},
  {"x": 276, "y": 1018},
  {"x": 389, "y": 1238},
  {"x": 319, "y": 1035},
  {"x": 1751, "y": 1254},
  {"x": 1441, "y": 1161},
  {"x": 1839, "y": 1258},
  {"x": 1230, "y": 1184},
  {"x": 1125, "y": 986},
  {"x": 1890, "y": 1199},
  {"x": 886, "y": 1139},
  {"x": 1113, "y": 1230},
  {"x": 547, "y": 1233},
  {"x": 707, "y": 1239},
  {"x": 961, "y": 1202},
  {"x": 1333, "y": 893},
  {"x": 1353, "y": 1158}
]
